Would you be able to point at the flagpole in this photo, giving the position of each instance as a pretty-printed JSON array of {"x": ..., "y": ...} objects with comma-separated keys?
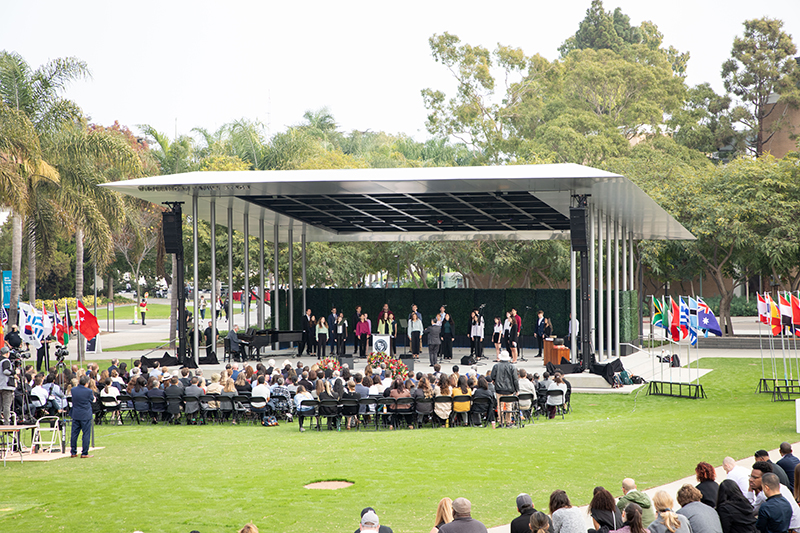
[
  {"x": 761, "y": 347},
  {"x": 783, "y": 354},
  {"x": 652, "y": 336}
]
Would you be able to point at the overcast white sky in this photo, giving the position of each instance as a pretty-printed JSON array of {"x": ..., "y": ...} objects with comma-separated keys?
[{"x": 204, "y": 63}]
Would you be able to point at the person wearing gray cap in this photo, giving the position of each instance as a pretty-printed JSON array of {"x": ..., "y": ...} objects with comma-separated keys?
[
  {"x": 372, "y": 523},
  {"x": 462, "y": 519},
  {"x": 521, "y": 524},
  {"x": 7, "y": 385}
]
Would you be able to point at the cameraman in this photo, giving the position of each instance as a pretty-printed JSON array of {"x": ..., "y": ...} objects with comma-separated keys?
[{"x": 7, "y": 385}]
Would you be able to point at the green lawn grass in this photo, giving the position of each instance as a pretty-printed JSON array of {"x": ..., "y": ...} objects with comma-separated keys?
[
  {"x": 214, "y": 479},
  {"x": 125, "y": 312},
  {"x": 139, "y": 346}
]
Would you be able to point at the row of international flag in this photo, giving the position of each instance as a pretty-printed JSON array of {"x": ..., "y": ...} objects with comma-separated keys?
[
  {"x": 784, "y": 312},
  {"x": 36, "y": 325},
  {"x": 682, "y": 319}
]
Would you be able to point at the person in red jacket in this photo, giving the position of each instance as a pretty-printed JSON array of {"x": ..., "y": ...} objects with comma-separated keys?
[{"x": 362, "y": 335}]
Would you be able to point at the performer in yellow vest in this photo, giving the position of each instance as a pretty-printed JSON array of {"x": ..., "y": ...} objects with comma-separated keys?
[{"x": 143, "y": 306}]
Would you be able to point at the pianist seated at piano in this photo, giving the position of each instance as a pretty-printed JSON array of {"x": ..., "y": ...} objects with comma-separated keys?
[{"x": 236, "y": 345}]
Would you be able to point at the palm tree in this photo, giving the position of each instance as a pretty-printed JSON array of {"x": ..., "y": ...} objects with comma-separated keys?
[
  {"x": 83, "y": 158},
  {"x": 37, "y": 95}
]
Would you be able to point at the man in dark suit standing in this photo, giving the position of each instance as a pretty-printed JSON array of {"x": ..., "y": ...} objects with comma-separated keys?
[
  {"x": 540, "y": 331},
  {"x": 81, "y": 414},
  {"x": 356, "y": 320},
  {"x": 304, "y": 340},
  {"x": 332, "y": 331}
]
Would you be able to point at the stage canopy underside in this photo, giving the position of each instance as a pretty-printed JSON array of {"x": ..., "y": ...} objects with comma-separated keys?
[{"x": 514, "y": 202}]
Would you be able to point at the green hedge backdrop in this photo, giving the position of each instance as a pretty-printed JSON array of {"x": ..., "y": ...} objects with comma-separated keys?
[{"x": 459, "y": 302}]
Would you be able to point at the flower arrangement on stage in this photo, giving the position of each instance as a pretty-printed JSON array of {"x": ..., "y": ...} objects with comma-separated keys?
[
  {"x": 398, "y": 368},
  {"x": 336, "y": 364}
]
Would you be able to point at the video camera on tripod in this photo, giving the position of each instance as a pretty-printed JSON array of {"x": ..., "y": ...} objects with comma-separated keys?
[{"x": 17, "y": 356}]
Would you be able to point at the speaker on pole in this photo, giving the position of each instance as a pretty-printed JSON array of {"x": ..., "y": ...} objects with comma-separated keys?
[
  {"x": 173, "y": 233},
  {"x": 577, "y": 229}
]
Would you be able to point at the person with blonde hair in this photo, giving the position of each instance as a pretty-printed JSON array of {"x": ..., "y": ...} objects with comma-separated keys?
[
  {"x": 249, "y": 528},
  {"x": 667, "y": 520},
  {"x": 444, "y": 513}
]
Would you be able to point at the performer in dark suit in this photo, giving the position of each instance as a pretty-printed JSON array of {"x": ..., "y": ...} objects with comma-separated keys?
[
  {"x": 540, "y": 325},
  {"x": 355, "y": 320},
  {"x": 305, "y": 340},
  {"x": 82, "y": 417},
  {"x": 331, "y": 331}
]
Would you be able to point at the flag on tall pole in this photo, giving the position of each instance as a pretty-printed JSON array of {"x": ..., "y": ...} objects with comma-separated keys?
[
  {"x": 47, "y": 323},
  {"x": 786, "y": 310},
  {"x": 706, "y": 319},
  {"x": 763, "y": 309},
  {"x": 677, "y": 327},
  {"x": 87, "y": 322},
  {"x": 60, "y": 327},
  {"x": 686, "y": 322},
  {"x": 774, "y": 316},
  {"x": 795, "y": 301},
  {"x": 658, "y": 313},
  {"x": 32, "y": 327}
]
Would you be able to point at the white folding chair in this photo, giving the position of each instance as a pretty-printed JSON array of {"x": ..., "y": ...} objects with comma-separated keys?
[{"x": 45, "y": 435}]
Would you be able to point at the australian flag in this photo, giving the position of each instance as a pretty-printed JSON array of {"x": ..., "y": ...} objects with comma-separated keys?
[{"x": 706, "y": 319}]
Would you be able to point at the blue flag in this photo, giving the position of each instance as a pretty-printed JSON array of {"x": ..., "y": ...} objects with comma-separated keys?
[
  {"x": 706, "y": 319},
  {"x": 692, "y": 320}
]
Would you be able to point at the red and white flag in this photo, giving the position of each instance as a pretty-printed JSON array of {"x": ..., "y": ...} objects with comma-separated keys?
[
  {"x": 763, "y": 309},
  {"x": 87, "y": 322}
]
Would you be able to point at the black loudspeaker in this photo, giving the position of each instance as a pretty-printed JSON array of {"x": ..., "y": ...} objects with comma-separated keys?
[
  {"x": 577, "y": 229},
  {"x": 171, "y": 226}
]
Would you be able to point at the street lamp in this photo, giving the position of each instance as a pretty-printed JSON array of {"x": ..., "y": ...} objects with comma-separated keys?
[{"x": 398, "y": 270}]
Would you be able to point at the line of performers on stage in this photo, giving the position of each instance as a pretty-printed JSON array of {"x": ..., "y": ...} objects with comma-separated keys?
[{"x": 335, "y": 330}]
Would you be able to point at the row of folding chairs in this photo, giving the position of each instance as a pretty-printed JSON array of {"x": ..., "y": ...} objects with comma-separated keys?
[
  {"x": 190, "y": 409},
  {"x": 384, "y": 410}
]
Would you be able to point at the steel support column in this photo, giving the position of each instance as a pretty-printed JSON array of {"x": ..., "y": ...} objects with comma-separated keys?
[
  {"x": 230, "y": 267},
  {"x": 616, "y": 289},
  {"x": 290, "y": 253},
  {"x": 246, "y": 293},
  {"x": 592, "y": 267},
  {"x": 276, "y": 323},
  {"x": 573, "y": 305},
  {"x": 609, "y": 301},
  {"x": 624, "y": 238},
  {"x": 261, "y": 282},
  {"x": 195, "y": 279},
  {"x": 212, "y": 299},
  {"x": 303, "y": 263},
  {"x": 600, "y": 300}
]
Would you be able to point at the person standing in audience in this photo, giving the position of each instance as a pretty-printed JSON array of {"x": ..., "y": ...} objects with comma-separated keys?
[
  {"x": 444, "y": 513},
  {"x": 667, "y": 520},
  {"x": 604, "y": 512},
  {"x": 630, "y": 494},
  {"x": 775, "y": 514},
  {"x": 462, "y": 519},
  {"x": 707, "y": 486},
  {"x": 566, "y": 518},
  {"x": 736, "y": 515},
  {"x": 82, "y": 419},
  {"x": 506, "y": 383},
  {"x": 702, "y": 517}
]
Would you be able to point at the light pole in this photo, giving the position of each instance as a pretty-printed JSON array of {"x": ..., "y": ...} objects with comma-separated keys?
[{"x": 398, "y": 270}]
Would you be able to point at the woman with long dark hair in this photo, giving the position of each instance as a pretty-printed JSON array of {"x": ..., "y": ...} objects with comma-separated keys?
[
  {"x": 566, "y": 518},
  {"x": 447, "y": 336},
  {"x": 603, "y": 511},
  {"x": 632, "y": 520},
  {"x": 415, "y": 335},
  {"x": 736, "y": 514}
]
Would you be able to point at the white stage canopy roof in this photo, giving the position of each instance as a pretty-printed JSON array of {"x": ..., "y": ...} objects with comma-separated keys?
[{"x": 513, "y": 202}]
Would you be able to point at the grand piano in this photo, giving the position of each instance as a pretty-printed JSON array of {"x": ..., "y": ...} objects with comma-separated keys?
[{"x": 256, "y": 339}]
